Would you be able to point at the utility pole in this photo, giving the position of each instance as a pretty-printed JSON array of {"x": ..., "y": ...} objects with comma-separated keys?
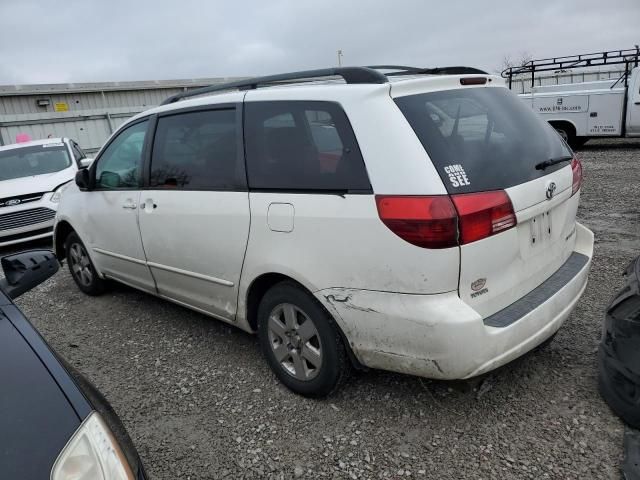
[{"x": 339, "y": 58}]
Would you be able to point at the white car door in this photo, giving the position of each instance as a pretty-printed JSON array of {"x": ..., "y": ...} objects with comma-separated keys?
[
  {"x": 110, "y": 225},
  {"x": 194, "y": 215}
]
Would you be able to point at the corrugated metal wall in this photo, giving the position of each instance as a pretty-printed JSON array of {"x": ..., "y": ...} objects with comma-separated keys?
[{"x": 91, "y": 112}]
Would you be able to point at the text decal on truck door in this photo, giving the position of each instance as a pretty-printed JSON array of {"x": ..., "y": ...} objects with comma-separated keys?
[{"x": 457, "y": 175}]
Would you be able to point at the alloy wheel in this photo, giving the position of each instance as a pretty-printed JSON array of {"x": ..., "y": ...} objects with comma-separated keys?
[
  {"x": 80, "y": 264},
  {"x": 295, "y": 341}
]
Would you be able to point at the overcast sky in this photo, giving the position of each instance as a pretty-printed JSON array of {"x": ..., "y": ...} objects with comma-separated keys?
[{"x": 44, "y": 41}]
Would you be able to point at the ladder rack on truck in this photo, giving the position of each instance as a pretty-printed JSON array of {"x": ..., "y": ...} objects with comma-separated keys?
[
  {"x": 627, "y": 57},
  {"x": 580, "y": 111}
]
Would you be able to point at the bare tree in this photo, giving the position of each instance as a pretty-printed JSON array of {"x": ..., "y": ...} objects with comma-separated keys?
[{"x": 519, "y": 60}]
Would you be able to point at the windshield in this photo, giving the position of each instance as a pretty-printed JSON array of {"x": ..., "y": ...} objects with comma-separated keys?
[
  {"x": 36, "y": 160},
  {"x": 482, "y": 139}
]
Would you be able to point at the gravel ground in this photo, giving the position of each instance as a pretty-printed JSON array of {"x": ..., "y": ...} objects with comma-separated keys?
[{"x": 199, "y": 401}]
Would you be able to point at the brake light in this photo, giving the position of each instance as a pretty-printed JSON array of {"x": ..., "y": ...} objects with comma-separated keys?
[
  {"x": 576, "y": 168},
  {"x": 483, "y": 214},
  {"x": 440, "y": 221},
  {"x": 424, "y": 221},
  {"x": 473, "y": 80}
]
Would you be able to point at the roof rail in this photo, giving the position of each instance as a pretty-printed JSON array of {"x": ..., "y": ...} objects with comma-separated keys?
[
  {"x": 349, "y": 74},
  {"x": 403, "y": 70},
  {"x": 611, "y": 57}
]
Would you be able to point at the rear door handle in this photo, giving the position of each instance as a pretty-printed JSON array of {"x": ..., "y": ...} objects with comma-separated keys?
[{"x": 129, "y": 206}]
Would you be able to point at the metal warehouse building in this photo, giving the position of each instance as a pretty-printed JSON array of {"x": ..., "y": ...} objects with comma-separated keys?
[
  {"x": 86, "y": 112},
  {"x": 90, "y": 112}
]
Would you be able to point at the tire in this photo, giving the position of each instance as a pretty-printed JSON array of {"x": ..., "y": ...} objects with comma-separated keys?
[
  {"x": 308, "y": 358},
  {"x": 567, "y": 133},
  {"x": 81, "y": 267}
]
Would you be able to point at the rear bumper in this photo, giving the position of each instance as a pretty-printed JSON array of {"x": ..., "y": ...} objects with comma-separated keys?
[{"x": 440, "y": 336}]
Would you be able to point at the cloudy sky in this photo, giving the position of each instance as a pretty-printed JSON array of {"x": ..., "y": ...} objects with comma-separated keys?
[{"x": 48, "y": 41}]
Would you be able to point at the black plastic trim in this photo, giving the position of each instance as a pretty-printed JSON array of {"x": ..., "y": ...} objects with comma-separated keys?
[
  {"x": 536, "y": 297},
  {"x": 349, "y": 74}
]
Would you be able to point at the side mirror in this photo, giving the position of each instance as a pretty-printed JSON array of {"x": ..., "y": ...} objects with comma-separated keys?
[
  {"x": 86, "y": 162},
  {"x": 26, "y": 270},
  {"x": 83, "y": 180}
]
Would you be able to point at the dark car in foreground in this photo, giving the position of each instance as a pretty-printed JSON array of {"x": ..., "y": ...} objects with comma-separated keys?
[{"x": 53, "y": 423}]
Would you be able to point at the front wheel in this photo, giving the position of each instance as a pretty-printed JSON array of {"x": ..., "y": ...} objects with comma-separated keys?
[
  {"x": 81, "y": 268},
  {"x": 301, "y": 341}
]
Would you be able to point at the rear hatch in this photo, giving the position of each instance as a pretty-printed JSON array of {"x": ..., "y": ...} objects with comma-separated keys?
[{"x": 516, "y": 217}]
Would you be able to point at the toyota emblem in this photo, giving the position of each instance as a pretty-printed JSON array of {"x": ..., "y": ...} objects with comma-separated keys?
[{"x": 551, "y": 190}]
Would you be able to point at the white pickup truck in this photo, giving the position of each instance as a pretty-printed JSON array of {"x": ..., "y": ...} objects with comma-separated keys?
[{"x": 580, "y": 111}]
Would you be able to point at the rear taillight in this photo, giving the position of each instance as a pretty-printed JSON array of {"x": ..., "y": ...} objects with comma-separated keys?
[
  {"x": 442, "y": 221},
  {"x": 576, "y": 168},
  {"x": 483, "y": 214},
  {"x": 428, "y": 222}
]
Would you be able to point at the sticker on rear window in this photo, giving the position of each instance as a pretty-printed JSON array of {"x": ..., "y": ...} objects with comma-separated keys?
[{"x": 457, "y": 175}]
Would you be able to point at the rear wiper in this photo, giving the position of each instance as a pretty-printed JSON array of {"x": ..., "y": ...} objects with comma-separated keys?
[{"x": 553, "y": 161}]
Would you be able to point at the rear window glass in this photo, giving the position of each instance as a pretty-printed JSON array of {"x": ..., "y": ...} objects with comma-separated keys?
[
  {"x": 482, "y": 138},
  {"x": 302, "y": 146}
]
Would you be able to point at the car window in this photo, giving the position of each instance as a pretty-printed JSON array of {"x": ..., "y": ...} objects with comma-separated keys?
[
  {"x": 197, "y": 150},
  {"x": 120, "y": 164},
  {"x": 34, "y": 160},
  {"x": 297, "y": 145},
  {"x": 486, "y": 134}
]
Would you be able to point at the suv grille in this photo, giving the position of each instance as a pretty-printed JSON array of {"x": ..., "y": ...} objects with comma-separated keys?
[
  {"x": 20, "y": 199},
  {"x": 25, "y": 218}
]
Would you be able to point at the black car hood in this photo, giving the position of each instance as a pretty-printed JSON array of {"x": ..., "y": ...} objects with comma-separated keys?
[{"x": 36, "y": 417}]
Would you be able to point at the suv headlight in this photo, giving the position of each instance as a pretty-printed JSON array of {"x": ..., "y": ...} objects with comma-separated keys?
[
  {"x": 92, "y": 454},
  {"x": 57, "y": 193}
]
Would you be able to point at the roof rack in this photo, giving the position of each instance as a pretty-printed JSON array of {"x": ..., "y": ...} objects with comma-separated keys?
[
  {"x": 611, "y": 57},
  {"x": 351, "y": 75},
  {"x": 398, "y": 70}
]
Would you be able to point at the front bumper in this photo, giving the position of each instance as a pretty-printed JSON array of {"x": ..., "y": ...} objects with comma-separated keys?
[
  {"x": 30, "y": 221},
  {"x": 439, "y": 336}
]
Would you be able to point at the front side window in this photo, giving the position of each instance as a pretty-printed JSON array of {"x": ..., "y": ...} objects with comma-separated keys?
[
  {"x": 197, "y": 151},
  {"x": 120, "y": 164},
  {"x": 35, "y": 160},
  {"x": 298, "y": 145}
]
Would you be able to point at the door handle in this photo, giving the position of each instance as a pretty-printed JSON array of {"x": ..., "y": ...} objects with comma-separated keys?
[
  {"x": 129, "y": 206},
  {"x": 148, "y": 205}
]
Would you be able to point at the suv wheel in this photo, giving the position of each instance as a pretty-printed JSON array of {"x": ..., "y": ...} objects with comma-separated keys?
[
  {"x": 300, "y": 341},
  {"x": 81, "y": 268}
]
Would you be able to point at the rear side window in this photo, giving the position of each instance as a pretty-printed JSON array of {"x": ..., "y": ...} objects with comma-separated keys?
[
  {"x": 296, "y": 145},
  {"x": 197, "y": 151},
  {"x": 482, "y": 138}
]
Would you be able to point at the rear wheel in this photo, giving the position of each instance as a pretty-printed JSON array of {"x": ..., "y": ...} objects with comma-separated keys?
[
  {"x": 81, "y": 268},
  {"x": 568, "y": 134},
  {"x": 300, "y": 341}
]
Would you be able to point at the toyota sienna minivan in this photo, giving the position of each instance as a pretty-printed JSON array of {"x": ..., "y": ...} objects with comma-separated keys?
[{"x": 415, "y": 220}]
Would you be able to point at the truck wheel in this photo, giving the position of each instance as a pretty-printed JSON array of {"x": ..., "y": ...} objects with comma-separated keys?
[
  {"x": 301, "y": 341},
  {"x": 568, "y": 134}
]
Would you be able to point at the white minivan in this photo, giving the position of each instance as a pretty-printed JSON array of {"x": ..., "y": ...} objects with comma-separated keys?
[{"x": 419, "y": 220}]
